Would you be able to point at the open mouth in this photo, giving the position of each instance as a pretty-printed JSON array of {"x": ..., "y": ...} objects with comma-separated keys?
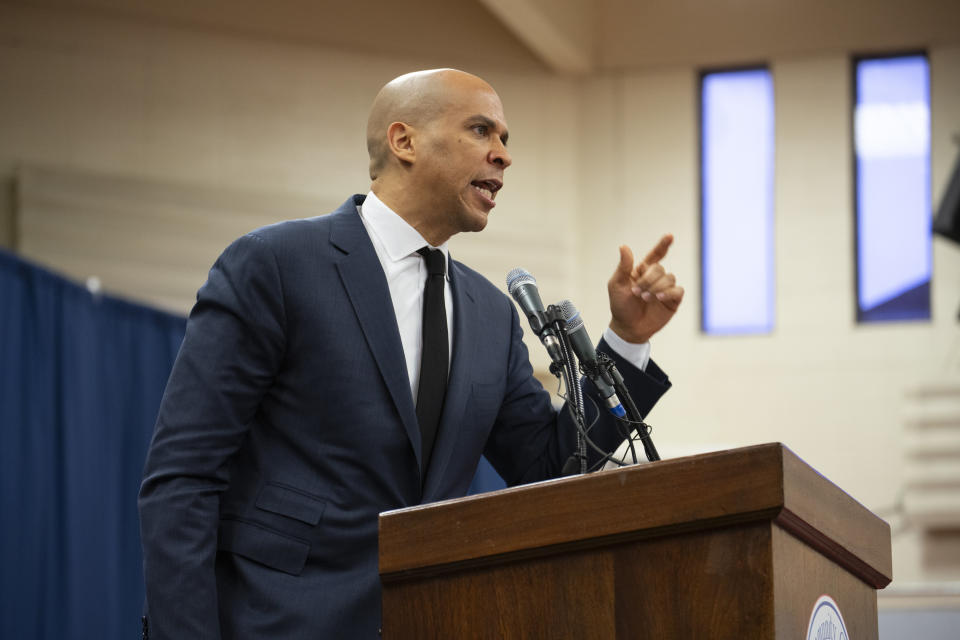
[{"x": 487, "y": 188}]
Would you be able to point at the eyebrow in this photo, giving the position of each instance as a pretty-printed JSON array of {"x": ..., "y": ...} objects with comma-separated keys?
[{"x": 491, "y": 124}]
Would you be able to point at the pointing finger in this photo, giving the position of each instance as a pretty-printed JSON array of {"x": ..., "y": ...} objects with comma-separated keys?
[{"x": 659, "y": 252}]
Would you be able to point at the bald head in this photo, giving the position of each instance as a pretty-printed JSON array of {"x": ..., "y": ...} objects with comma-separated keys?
[{"x": 415, "y": 99}]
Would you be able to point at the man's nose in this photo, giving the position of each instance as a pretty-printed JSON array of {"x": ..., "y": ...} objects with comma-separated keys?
[{"x": 499, "y": 155}]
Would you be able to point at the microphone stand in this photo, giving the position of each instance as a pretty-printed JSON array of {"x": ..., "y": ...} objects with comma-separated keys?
[
  {"x": 608, "y": 369},
  {"x": 564, "y": 367},
  {"x": 554, "y": 318}
]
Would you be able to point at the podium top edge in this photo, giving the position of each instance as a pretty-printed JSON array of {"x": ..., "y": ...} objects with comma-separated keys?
[
  {"x": 772, "y": 448},
  {"x": 766, "y": 482}
]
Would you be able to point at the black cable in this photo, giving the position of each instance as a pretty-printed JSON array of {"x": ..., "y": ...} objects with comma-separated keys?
[
  {"x": 630, "y": 437},
  {"x": 577, "y": 414},
  {"x": 555, "y": 320},
  {"x": 636, "y": 418},
  {"x": 610, "y": 368},
  {"x": 578, "y": 393},
  {"x": 605, "y": 455},
  {"x": 573, "y": 398}
]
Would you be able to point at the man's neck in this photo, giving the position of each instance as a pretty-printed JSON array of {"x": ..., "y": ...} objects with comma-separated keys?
[{"x": 415, "y": 216}]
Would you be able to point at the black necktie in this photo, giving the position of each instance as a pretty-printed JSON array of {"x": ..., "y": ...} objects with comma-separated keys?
[{"x": 433, "y": 359}]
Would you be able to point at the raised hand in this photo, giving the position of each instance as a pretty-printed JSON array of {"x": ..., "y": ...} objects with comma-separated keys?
[{"x": 644, "y": 297}]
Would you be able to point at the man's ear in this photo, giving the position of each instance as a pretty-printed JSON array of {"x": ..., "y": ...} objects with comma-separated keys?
[{"x": 400, "y": 140}]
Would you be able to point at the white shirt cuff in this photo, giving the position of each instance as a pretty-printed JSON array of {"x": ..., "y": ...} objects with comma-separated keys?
[{"x": 636, "y": 354}]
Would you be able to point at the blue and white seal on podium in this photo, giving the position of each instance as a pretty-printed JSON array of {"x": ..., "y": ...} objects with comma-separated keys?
[{"x": 826, "y": 622}]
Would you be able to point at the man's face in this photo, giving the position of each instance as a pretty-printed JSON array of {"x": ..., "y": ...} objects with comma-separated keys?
[{"x": 464, "y": 157}]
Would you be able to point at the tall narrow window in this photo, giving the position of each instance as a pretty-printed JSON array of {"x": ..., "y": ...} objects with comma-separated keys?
[
  {"x": 736, "y": 186},
  {"x": 893, "y": 208}
]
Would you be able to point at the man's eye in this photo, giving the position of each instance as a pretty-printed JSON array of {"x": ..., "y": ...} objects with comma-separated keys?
[{"x": 480, "y": 129}]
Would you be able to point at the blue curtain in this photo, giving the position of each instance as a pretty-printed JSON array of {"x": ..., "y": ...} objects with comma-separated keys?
[
  {"x": 485, "y": 479},
  {"x": 80, "y": 385}
]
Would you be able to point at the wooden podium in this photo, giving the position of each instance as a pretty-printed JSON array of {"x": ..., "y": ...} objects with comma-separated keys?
[{"x": 733, "y": 544}]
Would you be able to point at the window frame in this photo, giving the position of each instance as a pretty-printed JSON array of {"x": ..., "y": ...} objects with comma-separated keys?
[
  {"x": 702, "y": 74},
  {"x": 859, "y": 315}
]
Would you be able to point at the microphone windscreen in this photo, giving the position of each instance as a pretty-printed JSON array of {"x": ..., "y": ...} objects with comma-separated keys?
[
  {"x": 518, "y": 277},
  {"x": 571, "y": 315}
]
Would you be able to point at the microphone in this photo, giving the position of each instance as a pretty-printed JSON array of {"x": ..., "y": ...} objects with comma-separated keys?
[
  {"x": 523, "y": 287},
  {"x": 587, "y": 355}
]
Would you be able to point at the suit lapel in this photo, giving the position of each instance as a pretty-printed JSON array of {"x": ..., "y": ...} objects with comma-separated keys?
[
  {"x": 369, "y": 294},
  {"x": 466, "y": 332}
]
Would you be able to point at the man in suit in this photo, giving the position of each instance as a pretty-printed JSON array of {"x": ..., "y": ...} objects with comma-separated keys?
[{"x": 293, "y": 413}]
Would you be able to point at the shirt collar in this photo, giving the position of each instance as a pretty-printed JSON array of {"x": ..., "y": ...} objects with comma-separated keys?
[{"x": 398, "y": 238}]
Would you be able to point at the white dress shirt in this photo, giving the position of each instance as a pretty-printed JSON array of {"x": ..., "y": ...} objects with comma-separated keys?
[{"x": 396, "y": 243}]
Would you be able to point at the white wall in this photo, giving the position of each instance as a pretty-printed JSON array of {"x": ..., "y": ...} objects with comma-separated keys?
[
  {"x": 598, "y": 161},
  {"x": 832, "y": 390},
  {"x": 186, "y": 112}
]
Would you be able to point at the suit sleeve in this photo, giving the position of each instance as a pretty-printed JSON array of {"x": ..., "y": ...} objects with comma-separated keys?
[
  {"x": 531, "y": 441},
  {"x": 233, "y": 346}
]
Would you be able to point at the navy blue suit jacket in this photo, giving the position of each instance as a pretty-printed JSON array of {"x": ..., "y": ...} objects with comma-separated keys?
[{"x": 288, "y": 425}]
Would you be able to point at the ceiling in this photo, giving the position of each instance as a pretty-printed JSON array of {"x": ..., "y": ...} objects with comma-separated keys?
[{"x": 564, "y": 36}]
